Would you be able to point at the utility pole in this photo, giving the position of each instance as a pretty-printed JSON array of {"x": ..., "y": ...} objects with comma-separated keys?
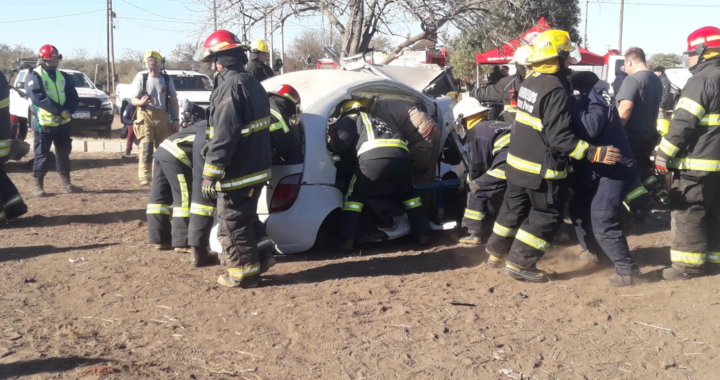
[
  {"x": 586, "y": 24},
  {"x": 282, "y": 45},
  {"x": 272, "y": 50},
  {"x": 107, "y": 56},
  {"x": 622, "y": 11},
  {"x": 215, "y": 15},
  {"x": 111, "y": 90}
]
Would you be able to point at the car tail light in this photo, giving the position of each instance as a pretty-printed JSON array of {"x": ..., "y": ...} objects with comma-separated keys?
[{"x": 286, "y": 191}]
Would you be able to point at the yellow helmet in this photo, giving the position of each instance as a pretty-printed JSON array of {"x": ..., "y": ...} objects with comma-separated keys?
[
  {"x": 352, "y": 105},
  {"x": 259, "y": 46},
  {"x": 522, "y": 54},
  {"x": 153, "y": 54},
  {"x": 551, "y": 44}
]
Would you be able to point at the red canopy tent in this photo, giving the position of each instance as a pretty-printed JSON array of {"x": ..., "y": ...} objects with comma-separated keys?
[{"x": 505, "y": 53}]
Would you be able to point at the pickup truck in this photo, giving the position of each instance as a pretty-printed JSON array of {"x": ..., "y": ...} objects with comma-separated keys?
[
  {"x": 94, "y": 112},
  {"x": 189, "y": 84}
]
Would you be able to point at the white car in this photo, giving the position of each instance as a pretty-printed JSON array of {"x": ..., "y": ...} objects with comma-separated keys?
[
  {"x": 299, "y": 201},
  {"x": 189, "y": 84}
]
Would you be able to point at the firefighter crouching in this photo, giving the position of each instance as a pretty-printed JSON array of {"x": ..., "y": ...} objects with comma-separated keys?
[
  {"x": 488, "y": 143},
  {"x": 537, "y": 162},
  {"x": 285, "y": 133},
  {"x": 691, "y": 149},
  {"x": 384, "y": 163},
  {"x": 11, "y": 203},
  {"x": 171, "y": 184},
  {"x": 238, "y": 158},
  {"x": 505, "y": 90}
]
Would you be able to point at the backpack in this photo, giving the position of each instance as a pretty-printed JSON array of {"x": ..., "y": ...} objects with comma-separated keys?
[{"x": 167, "y": 85}]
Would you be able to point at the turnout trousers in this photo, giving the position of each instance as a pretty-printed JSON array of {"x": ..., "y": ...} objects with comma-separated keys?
[
  {"x": 527, "y": 223},
  {"x": 11, "y": 203},
  {"x": 486, "y": 199},
  {"x": 377, "y": 176},
  {"x": 151, "y": 128},
  {"x": 170, "y": 186},
  {"x": 695, "y": 227},
  {"x": 596, "y": 209},
  {"x": 60, "y": 137}
]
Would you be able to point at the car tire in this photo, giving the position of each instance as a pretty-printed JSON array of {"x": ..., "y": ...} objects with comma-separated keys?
[
  {"x": 328, "y": 230},
  {"x": 105, "y": 133}
]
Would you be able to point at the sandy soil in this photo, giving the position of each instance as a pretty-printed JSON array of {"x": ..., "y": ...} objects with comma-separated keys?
[{"x": 83, "y": 296}]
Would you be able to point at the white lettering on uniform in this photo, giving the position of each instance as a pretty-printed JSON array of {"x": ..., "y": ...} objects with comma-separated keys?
[
  {"x": 530, "y": 96},
  {"x": 526, "y": 106}
]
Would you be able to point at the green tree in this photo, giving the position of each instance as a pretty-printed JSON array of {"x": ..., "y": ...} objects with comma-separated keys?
[{"x": 666, "y": 60}]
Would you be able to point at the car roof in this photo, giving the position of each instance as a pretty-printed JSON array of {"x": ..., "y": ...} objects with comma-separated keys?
[{"x": 314, "y": 85}]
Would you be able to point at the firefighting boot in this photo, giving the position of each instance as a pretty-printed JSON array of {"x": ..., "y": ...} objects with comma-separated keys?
[
  {"x": 66, "y": 187},
  {"x": 497, "y": 249},
  {"x": 619, "y": 280},
  {"x": 246, "y": 277},
  {"x": 201, "y": 257},
  {"x": 182, "y": 250},
  {"x": 531, "y": 274},
  {"x": 39, "y": 183},
  {"x": 471, "y": 239},
  {"x": 589, "y": 258},
  {"x": 267, "y": 260},
  {"x": 163, "y": 247},
  {"x": 15, "y": 211},
  {"x": 675, "y": 274}
]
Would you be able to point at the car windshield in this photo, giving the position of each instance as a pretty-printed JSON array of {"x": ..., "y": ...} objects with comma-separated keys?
[
  {"x": 191, "y": 83},
  {"x": 81, "y": 81}
]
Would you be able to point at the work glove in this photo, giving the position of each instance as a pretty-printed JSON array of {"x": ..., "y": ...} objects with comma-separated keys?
[
  {"x": 203, "y": 151},
  {"x": 660, "y": 165},
  {"x": 608, "y": 155},
  {"x": 65, "y": 115},
  {"x": 208, "y": 189}
]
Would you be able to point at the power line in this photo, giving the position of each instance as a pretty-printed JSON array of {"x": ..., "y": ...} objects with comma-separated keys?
[
  {"x": 149, "y": 27},
  {"x": 152, "y": 13},
  {"x": 153, "y": 20},
  {"x": 51, "y": 17}
]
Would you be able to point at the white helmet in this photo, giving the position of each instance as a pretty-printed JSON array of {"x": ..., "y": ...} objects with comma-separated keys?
[
  {"x": 468, "y": 107},
  {"x": 522, "y": 54}
]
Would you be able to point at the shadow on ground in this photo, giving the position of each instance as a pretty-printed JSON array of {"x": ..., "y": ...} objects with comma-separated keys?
[
  {"x": 62, "y": 220},
  {"x": 38, "y": 366},
  {"x": 22, "y": 253}
]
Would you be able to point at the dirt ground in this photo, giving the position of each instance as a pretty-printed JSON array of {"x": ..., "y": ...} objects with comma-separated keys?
[{"x": 84, "y": 297}]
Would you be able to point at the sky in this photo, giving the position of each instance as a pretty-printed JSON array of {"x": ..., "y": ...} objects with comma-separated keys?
[{"x": 657, "y": 26}]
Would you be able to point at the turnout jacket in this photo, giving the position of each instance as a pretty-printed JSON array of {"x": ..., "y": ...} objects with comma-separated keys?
[
  {"x": 180, "y": 145},
  {"x": 693, "y": 139},
  {"x": 238, "y": 150},
  {"x": 543, "y": 139},
  {"x": 500, "y": 92},
  {"x": 286, "y": 141},
  {"x": 4, "y": 118},
  {"x": 488, "y": 144},
  {"x": 259, "y": 70},
  {"x": 372, "y": 138}
]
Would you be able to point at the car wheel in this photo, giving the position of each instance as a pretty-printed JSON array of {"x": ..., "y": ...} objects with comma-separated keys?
[
  {"x": 328, "y": 230},
  {"x": 105, "y": 133}
]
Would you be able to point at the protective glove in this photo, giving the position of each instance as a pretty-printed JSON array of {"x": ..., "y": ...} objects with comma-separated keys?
[
  {"x": 203, "y": 151},
  {"x": 608, "y": 155},
  {"x": 208, "y": 189},
  {"x": 65, "y": 115},
  {"x": 660, "y": 165}
]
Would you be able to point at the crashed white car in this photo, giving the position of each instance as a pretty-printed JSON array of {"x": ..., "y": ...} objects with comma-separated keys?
[{"x": 297, "y": 204}]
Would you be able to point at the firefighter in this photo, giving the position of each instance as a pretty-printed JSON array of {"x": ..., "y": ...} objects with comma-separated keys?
[
  {"x": 537, "y": 162},
  {"x": 258, "y": 66},
  {"x": 171, "y": 184},
  {"x": 505, "y": 91},
  {"x": 488, "y": 143},
  {"x": 691, "y": 149},
  {"x": 54, "y": 100},
  {"x": 238, "y": 158},
  {"x": 599, "y": 189},
  {"x": 384, "y": 163},
  {"x": 285, "y": 132},
  {"x": 11, "y": 203}
]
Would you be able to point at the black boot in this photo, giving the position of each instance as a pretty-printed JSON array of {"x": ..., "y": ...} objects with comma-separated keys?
[
  {"x": 39, "y": 183},
  {"x": 16, "y": 211},
  {"x": 66, "y": 187},
  {"x": 201, "y": 257}
]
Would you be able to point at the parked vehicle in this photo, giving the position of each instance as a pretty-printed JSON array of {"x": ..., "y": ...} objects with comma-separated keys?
[
  {"x": 189, "y": 84},
  {"x": 94, "y": 112},
  {"x": 302, "y": 201}
]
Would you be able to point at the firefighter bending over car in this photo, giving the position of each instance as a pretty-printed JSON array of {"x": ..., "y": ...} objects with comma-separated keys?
[
  {"x": 384, "y": 164},
  {"x": 11, "y": 203},
  {"x": 237, "y": 159},
  {"x": 488, "y": 143},
  {"x": 691, "y": 149},
  {"x": 537, "y": 162},
  {"x": 54, "y": 99},
  {"x": 285, "y": 132}
]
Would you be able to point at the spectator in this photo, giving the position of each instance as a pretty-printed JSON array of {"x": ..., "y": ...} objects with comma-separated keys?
[
  {"x": 128, "y": 119},
  {"x": 495, "y": 76},
  {"x": 666, "y": 102},
  {"x": 505, "y": 71}
]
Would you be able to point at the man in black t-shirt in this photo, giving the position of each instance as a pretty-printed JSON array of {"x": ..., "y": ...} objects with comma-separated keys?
[{"x": 638, "y": 104}]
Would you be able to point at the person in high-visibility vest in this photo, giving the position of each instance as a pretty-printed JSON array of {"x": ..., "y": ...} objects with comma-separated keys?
[
  {"x": 54, "y": 100},
  {"x": 383, "y": 163},
  {"x": 11, "y": 203},
  {"x": 691, "y": 149}
]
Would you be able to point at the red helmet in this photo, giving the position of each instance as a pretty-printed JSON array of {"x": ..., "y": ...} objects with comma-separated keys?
[
  {"x": 704, "y": 38},
  {"x": 49, "y": 53},
  {"x": 288, "y": 92},
  {"x": 221, "y": 40}
]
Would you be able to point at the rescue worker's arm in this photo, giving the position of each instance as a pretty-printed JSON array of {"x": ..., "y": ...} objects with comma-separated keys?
[
  {"x": 35, "y": 91},
  {"x": 689, "y": 113},
  {"x": 491, "y": 93},
  {"x": 343, "y": 135},
  {"x": 625, "y": 110},
  {"x": 71, "y": 97},
  {"x": 280, "y": 125},
  {"x": 127, "y": 115},
  {"x": 228, "y": 132},
  {"x": 138, "y": 99},
  {"x": 591, "y": 117},
  {"x": 627, "y": 94}
]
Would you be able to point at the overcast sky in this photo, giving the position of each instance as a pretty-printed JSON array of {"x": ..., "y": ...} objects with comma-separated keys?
[{"x": 160, "y": 24}]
